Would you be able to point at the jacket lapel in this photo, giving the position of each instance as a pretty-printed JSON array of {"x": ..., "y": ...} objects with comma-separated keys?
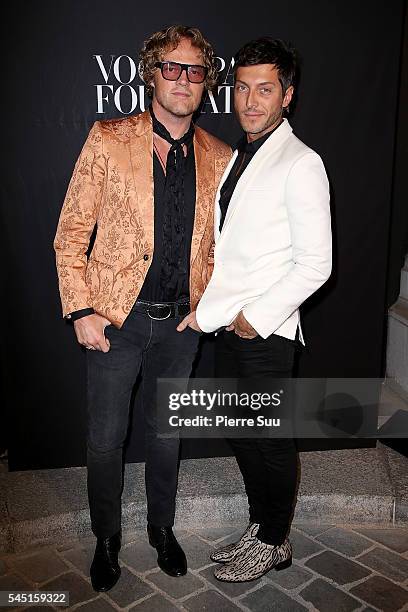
[
  {"x": 217, "y": 210},
  {"x": 205, "y": 179},
  {"x": 272, "y": 144},
  {"x": 141, "y": 154}
]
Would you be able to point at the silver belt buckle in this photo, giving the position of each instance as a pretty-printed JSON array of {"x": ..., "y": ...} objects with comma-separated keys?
[{"x": 160, "y": 306}]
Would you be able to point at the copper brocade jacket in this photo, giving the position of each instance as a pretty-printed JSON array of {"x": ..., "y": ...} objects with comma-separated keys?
[{"x": 112, "y": 187}]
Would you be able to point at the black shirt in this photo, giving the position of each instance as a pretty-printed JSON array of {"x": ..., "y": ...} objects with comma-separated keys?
[
  {"x": 246, "y": 151},
  {"x": 151, "y": 290}
]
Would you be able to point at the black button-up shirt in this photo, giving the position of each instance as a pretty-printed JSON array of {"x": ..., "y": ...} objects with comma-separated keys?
[{"x": 151, "y": 290}]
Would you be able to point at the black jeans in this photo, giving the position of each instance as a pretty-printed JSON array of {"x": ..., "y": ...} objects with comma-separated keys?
[
  {"x": 268, "y": 465},
  {"x": 161, "y": 352}
]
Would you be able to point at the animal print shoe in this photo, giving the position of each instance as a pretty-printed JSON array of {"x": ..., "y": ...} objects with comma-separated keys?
[
  {"x": 230, "y": 552},
  {"x": 258, "y": 559}
]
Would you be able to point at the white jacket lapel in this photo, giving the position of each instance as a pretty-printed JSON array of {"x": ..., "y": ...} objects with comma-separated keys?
[{"x": 254, "y": 167}]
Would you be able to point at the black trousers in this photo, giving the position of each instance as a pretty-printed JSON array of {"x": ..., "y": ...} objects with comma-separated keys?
[
  {"x": 268, "y": 465},
  {"x": 161, "y": 352}
]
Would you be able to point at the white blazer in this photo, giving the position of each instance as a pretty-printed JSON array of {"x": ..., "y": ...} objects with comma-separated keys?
[{"x": 274, "y": 249}]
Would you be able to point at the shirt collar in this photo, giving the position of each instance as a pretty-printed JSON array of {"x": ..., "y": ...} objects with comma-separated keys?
[{"x": 252, "y": 147}]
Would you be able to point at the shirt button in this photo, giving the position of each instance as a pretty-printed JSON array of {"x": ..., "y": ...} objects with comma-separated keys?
[{"x": 145, "y": 257}]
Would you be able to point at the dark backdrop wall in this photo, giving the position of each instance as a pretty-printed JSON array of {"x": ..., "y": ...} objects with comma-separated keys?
[
  {"x": 69, "y": 63},
  {"x": 399, "y": 208}
]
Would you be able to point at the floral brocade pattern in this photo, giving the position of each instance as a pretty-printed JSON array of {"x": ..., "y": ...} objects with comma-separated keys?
[{"x": 112, "y": 188}]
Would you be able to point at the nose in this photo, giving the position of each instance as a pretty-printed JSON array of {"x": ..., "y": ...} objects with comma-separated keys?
[
  {"x": 251, "y": 100},
  {"x": 183, "y": 79}
]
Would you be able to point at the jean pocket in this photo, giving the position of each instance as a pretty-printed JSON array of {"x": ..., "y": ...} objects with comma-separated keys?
[
  {"x": 107, "y": 327},
  {"x": 198, "y": 333}
]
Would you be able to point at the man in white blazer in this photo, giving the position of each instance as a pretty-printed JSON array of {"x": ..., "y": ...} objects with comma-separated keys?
[{"x": 272, "y": 251}]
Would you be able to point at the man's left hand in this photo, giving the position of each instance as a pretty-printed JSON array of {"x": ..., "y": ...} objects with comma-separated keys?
[
  {"x": 189, "y": 321},
  {"x": 242, "y": 328}
]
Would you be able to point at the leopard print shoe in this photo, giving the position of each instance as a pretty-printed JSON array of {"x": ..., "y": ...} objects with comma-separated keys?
[
  {"x": 258, "y": 559},
  {"x": 230, "y": 552}
]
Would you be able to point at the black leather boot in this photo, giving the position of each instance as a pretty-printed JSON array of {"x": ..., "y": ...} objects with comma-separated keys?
[
  {"x": 105, "y": 570},
  {"x": 170, "y": 556}
]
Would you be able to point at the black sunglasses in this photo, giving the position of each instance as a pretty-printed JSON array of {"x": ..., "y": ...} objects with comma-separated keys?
[{"x": 171, "y": 71}]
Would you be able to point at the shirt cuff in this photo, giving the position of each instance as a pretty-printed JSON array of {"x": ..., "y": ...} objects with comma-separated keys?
[{"x": 78, "y": 314}]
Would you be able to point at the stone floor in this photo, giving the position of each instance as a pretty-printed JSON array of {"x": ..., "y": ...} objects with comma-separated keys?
[{"x": 335, "y": 569}]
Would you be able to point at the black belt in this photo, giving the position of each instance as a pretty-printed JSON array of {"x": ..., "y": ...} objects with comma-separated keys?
[{"x": 159, "y": 312}]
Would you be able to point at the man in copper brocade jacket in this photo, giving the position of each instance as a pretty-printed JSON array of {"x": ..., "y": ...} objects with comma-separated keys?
[{"x": 148, "y": 182}]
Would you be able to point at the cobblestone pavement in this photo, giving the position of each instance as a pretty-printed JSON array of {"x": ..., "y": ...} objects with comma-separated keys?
[{"x": 335, "y": 569}]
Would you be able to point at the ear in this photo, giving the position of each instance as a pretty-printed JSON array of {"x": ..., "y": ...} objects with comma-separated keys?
[{"x": 288, "y": 96}]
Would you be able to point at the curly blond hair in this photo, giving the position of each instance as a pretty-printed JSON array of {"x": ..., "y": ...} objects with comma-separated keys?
[{"x": 167, "y": 40}]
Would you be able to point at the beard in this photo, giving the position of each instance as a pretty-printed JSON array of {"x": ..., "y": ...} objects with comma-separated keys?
[
  {"x": 183, "y": 107},
  {"x": 264, "y": 125}
]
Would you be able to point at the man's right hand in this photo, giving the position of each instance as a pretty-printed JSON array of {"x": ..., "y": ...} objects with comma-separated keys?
[{"x": 90, "y": 332}]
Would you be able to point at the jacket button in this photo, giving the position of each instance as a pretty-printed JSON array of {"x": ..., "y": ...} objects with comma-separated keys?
[{"x": 145, "y": 257}]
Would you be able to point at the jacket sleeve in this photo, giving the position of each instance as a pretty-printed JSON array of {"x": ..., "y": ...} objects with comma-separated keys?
[
  {"x": 77, "y": 220},
  {"x": 307, "y": 199}
]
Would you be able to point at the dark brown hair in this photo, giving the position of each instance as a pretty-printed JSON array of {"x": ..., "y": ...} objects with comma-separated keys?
[{"x": 274, "y": 51}]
